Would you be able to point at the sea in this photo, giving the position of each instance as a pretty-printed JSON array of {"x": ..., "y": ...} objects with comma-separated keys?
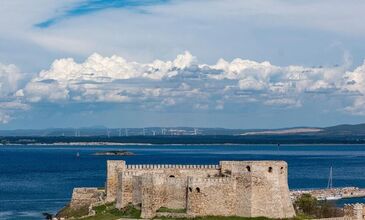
[{"x": 39, "y": 179}]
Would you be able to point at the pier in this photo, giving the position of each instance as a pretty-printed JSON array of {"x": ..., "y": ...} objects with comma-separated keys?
[{"x": 330, "y": 193}]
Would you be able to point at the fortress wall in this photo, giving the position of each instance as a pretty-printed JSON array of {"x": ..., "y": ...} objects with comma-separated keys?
[
  {"x": 169, "y": 166},
  {"x": 269, "y": 196},
  {"x": 137, "y": 190},
  {"x": 175, "y": 193},
  {"x": 160, "y": 191},
  {"x": 85, "y": 196},
  {"x": 242, "y": 172},
  {"x": 211, "y": 196},
  {"x": 113, "y": 168},
  {"x": 354, "y": 211},
  {"x": 125, "y": 188},
  {"x": 287, "y": 205},
  {"x": 153, "y": 195},
  {"x": 176, "y": 170},
  {"x": 254, "y": 188},
  {"x": 263, "y": 188},
  {"x": 243, "y": 194},
  {"x": 129, "y": 189}
]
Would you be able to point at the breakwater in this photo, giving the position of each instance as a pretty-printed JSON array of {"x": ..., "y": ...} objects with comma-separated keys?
[{"x": 330, "y": 194}]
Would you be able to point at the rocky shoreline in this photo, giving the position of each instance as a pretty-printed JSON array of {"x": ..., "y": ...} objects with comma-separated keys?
[{"x": 114, "y": 153}]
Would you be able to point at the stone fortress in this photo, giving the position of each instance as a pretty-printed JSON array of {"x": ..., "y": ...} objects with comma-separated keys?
[
  {"x": 232, "y": 188},
  {"x": 354, "y": 211}
]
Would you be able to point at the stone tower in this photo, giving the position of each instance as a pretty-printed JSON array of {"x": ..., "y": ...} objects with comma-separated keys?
[{"x": 114, "y": 167}]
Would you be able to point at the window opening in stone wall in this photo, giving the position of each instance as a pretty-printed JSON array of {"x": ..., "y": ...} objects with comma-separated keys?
[
  {"x": 190, "y": 189},
  {"x": 281, "y": 170},
  {"x": 270, "y": 169},
  {"x": 172, "y": 176},
  {"x": 197, "y": 189},
  {"x": 248, "y": 168}
]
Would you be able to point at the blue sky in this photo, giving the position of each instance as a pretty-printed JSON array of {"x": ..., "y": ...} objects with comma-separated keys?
[
  {"x": 90, "y": 6},
  {"x": 208, "y": 63}
]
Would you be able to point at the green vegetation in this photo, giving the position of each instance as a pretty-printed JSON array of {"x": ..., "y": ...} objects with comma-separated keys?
[
  {"x": 217, "y": 218},
  {"x": 109, "y": 212},
  {"x": 306, "y": 206},
  {"x": 102, "y": 212},
  {"x": 69, "y": 212},
  {"x": 164, "y": 209},
  {"x": 310, "y": 207},
  {"x": 299, "y": 217}
]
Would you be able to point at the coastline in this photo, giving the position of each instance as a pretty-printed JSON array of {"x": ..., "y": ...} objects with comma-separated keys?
[{"x": 176, "y": 144}]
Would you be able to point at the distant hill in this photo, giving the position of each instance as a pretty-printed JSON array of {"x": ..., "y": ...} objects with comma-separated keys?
[
  {"x": 340, "y": 134},
  {"x": 345, "y": 129},
  {"x": 338, "y": 130}
]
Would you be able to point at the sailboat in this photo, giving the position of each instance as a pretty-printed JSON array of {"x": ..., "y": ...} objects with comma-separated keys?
[{"x": 330, "y": 186}]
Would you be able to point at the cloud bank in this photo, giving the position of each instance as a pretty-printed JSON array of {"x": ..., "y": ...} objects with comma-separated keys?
[
  {"x": 10, "y": 76},
  {"x": 182, "y": 83}
]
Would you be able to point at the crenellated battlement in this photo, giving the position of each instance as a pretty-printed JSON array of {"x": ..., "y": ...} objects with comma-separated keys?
[
  {"x": 130, "y": 173},
  {"x": 354, "y": 211},
  {"x": 193, "y": 180},
  {"x": 170, "y": 166},
  {"x": 354, "y": 205}
]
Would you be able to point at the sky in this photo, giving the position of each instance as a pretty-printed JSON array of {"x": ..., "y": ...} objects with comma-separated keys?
[{"x": 199, "y": 63}]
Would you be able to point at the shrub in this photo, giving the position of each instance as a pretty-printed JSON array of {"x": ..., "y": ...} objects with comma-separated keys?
[{"x": 308, "y": 205}]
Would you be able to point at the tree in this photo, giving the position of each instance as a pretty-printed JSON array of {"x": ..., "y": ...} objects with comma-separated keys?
[{"x": 306, "y": 204}]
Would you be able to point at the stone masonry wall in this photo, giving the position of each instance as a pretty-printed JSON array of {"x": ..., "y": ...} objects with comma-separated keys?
[
  {"x": 175, "y": 192},
  {"x": 152, "y": 195},
  {"x": 267, "y": 191},
  {"x": 113, "y": 168},
  {"x": 242, "y": 188},
  {"x": 82, "y": 197},
  {"x": 211, "y": 196},
  {"x": 124, "y": 186},
  {"x": 160, "y": 191},
  {"x": 124, "y": 189},
  {"x": 137, "y": 190},
  {"x": 354, "y": 211}
]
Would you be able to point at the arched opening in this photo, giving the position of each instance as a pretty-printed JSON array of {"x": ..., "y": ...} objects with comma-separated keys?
[
  {"x": 248, "y": 168},
  {"x": 197, "y": 189},
  {"x": 270, "y": 169},
  {"x": 190, "y": 189},
  {"x": 281, "y": 170},
  {"x": 172, "y": 176}
]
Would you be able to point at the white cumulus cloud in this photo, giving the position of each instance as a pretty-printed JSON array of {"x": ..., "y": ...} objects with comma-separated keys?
[
  {"x": 10, "y": 77},
  {"x": 182, "y": 83}
]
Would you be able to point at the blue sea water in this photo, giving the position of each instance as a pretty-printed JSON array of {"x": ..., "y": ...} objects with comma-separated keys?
[{"x": 36, "y": 179}]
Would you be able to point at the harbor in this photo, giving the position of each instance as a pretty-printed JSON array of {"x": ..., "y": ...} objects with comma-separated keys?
[{"x": 330, "y": 193}]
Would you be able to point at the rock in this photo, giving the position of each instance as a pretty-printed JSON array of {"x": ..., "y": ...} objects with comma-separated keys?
[{"x": 114, "y": 153}]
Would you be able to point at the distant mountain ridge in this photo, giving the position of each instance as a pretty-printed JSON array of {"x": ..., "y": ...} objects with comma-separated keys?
[{"x": 338, "y": 130}]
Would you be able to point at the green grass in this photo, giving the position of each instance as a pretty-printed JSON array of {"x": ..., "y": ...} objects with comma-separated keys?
[
  {"x": 109, "y": 212},
  {"x": 68, "y": 212},
  {"x": 164, "y": 209},
  {"x": 232, "y": 218},
  {"x": 219, "y": 218}
]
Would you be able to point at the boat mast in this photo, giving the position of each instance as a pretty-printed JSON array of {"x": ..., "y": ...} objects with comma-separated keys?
[{"x": 330, "y": 183}]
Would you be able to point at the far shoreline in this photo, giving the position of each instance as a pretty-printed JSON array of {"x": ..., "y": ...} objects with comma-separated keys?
[{"x": 101, "y": 144}]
